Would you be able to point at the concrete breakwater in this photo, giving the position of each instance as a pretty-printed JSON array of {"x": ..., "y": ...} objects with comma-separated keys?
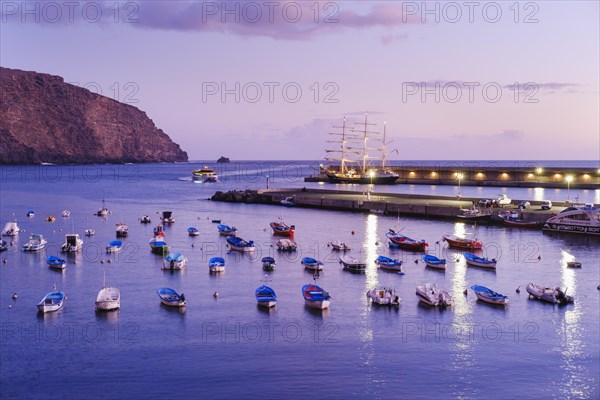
[
  {"x": 388, "y": 203},
  {"x": 490, "y": 175}
]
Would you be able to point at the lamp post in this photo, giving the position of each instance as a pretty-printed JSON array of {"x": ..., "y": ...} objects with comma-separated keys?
[
  {"x": 459, "y": 176},
  {"x": 267, "y": 181},
  {"x": 569, "y": 178},
  {"x": 371, "y": 175}
]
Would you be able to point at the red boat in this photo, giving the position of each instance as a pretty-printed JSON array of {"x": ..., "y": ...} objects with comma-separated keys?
[
  {"x": 405, "y": 243},
  {"x": 158, "y": 231},
  {"x": 513, "y": 220},
  {"x": 281, "y": 229},
  {"x": 462, "y": 243}
]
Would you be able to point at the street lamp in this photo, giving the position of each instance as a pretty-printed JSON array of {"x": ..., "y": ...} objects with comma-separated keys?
[
  {"x": 267, "y": 181},
  {"x": 459, "y": 176},
  {"x": 569, "y": 179},
  {"x": 371, "y": 175}
]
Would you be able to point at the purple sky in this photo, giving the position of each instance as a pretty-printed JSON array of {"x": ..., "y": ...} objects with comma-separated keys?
[{"x": 390, "y": 58}]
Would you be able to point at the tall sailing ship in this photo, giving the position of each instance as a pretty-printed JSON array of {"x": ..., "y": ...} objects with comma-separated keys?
[{"x": 354, "y": 164}]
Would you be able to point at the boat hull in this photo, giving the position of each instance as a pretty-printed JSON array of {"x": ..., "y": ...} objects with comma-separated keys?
[
  {"x": 267, "y": 304},
  {"x": 363, "y": 180},
  {"x": 576, "y": 229},
  {"x": 173, "y": 303},
  {"x": 488, "y": 300},
  {"x": 463, "y": 244},
  {"x": 317, "y": 304},
  {"x": 383, "y": 297},
  {"x": 108, "y": 305},
  {"x": 216, "y": 268},
  {"x": 490, "y": 265}
]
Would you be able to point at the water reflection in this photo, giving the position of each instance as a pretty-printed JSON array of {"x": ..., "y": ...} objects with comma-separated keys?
[
  {"x": 567, "y": 274},
  {"x": 370, "y": 248},
  {"x": 576, "y": 381},
  {"x": 538, "y": 194}
]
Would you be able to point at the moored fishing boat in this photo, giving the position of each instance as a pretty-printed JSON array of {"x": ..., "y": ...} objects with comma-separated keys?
[
  {"x": 109, "y": 298},
  {"x": 30, "y": 213},
  {"x": 35, "y": 243},
  {"x": 315, "y": 297},
  {"x": 11, "y": 229},
  {"x": 114, "y": 246},
  {"x": 171, "y": 298},
  {"x": 226, "y": 230},
  {"x": 573, "y": 264},
  {"x": 90, "y": 232},
  {"x": 286, "y": 245},
  {"x": 50, "y": 218},
  {"x": 103, "y": 212},
  {"x": 3, "y": 245},
  {"x": 167, "y": 217},
  {"x": 158, "y": 231},
  {"x": 352, "y": 264},
  {"x": 122, "y": 230},
  {"x": 338, "y": 246},
  {"x": 512, "y": 219},
  {"x": 281, "y": 229},
  {"x": 266, "y": 297},
  {"x": 489, "y": 296},
  {"x": 462, "y": 243},
  {"x": 193, "y": 231},
  {"x": 158, "y": 245},
  {"x": 216, "y": 264},
  {"x": 51, "y": 302},
  {"x": 384, "y": 297},
  {"x": 174, "y": 261},
  {"x": 388, "y": 263},
  {"x": 268, "y": 263},
  {"x": 431, "y": 294},
  {"x": 312, "y": 264},
  {"x": 288, "y": 202},
  {"x": 72, "y": 243},
  {"x": 239, "y": 244},
  {"x": 550, "y": 294},
  {"x": 66, "y": 213},
  {"x": 434, "y": 262},
  {"x": 476, "y": 261},
  {"x": 56, "y": 263},
  {"x": 145, "y": 219},
  {"x": 406, "y": 243},
  {"x": 474, "y": 214}
]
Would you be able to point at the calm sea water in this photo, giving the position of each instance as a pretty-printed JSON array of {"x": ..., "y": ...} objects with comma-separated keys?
[{"x": 229, "y": 348}]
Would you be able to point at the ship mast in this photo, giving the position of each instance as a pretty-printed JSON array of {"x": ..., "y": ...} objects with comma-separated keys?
[
  {"x": 344, "y": 150},
  {"x": 383, "y": 147},
  {"x": 365, "y": 133}
]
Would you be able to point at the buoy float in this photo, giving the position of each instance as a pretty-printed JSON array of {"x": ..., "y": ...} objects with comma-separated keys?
[
  {"x": 9, "y": 306},
  {"x": 353, "y": 232},
  {"x": 216, "y": 294},
  {"x": 465, "y": 292},
  {"x": 101, "y": 261},
  {"x": 5, "y": 261},
  {"x": 108, "y": 261},
  {"x": 192, "y": 244},
  {"x": 518, "y": 289},
  {"x": 540, "y": 257},
  {"x": 14, "y": 296},
  {"x": 417, "y": 261}
]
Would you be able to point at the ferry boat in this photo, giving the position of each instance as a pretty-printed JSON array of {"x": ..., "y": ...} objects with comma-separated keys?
[
  {"x": 582, "y": 220},
  {"x": 205, "y": 175},
  {"x": 350, "y": 141}
]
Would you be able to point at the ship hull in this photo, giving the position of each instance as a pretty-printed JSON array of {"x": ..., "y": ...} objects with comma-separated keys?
[{"x": 363, "y": 180}]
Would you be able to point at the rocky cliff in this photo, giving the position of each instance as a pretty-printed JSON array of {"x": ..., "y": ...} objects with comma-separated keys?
[{"x": 44, "y": 119}]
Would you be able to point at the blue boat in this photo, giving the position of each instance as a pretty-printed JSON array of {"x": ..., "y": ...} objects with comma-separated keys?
[
  {"x": 52, "y": 301},
  {"x": 30, "y": 213},
  {"x": 226, "y": 230},
  {"x": 266, "y": 297},
  {"x": 114, "y": 246},
  {"x": 489, "y": 296},
  {"x": 476, "y": 261},
  {"x": 268, "y": 263},
  {"x": 434, "y": 262},
  {"x": 158, "y": 245},
  {"x": 56, "y": 262},
  {"x": 315, "y": 296},
  {"x": 171, "y": 298},
  {"x": 193, "y": 231},
  {"x": 239, "y": 244},
  {"x": 216, "y": 264},
  {"x": 388, "y": 263},
  {"x": 311, "y": 263},
  {"x": 174, "y": 261}
]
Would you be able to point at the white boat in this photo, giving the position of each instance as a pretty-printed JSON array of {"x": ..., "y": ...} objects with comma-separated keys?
[
  {"x": 66, "y": 213},
  {"x": 288, "y": 202},
  {"x": 35, "y": 243},
  {"x": 51, "y": 302},
  {"x": 103, "y": 212},
  {"x": 114, "y": 246},
  {"x": 489, "y": 296},
  {"x": 90, "y": 232},
  {"x": 550, "y": 294},
  {"x": 122, "y": 229},
  {"x": 11, "y": 229},
  {"x": 390, "y": 264},
  {"x": 216, "y": 264},
  {"x": 315, "y": 297},
  {"x": 384, "y": 297},
  {"x": 286, "y": 245},
  {"x": 30, "y": 213},
  {"x": 434, "y": 262},
  {"x": 72, "y": 243},
  {"x": 352, "y": 264},
  {"x": 171, "y": 298},
  {"x": 174, "y": 261},
  {"x": 167, "y": 217},
  {"x": 312, "y": 264},
  {"x": 3, "y": 245},
  {"x": 431, "y": 294},
  {"x": 583, "y": 220},
  {"x": 109, "y": 298},
  {"x": 205, "y": 175},
  {"x": 339, "y": 246},
  {"x": 145, "y": 219}
]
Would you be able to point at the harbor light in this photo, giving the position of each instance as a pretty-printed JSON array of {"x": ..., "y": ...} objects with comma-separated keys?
[
  {"x": 539, "y": 170},
  {"x": 459, "y": 176},
  {"x": 569, "y": 179},
  {"x": 371, "y": 175}
]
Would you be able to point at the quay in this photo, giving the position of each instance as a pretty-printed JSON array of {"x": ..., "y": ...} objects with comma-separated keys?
[
  {"x": 487, "y": 174},
  {"x": 425, "y": 206}
]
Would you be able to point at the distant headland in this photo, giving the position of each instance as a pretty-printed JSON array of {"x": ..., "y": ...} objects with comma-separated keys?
[{"x": 45, "y": 120}]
